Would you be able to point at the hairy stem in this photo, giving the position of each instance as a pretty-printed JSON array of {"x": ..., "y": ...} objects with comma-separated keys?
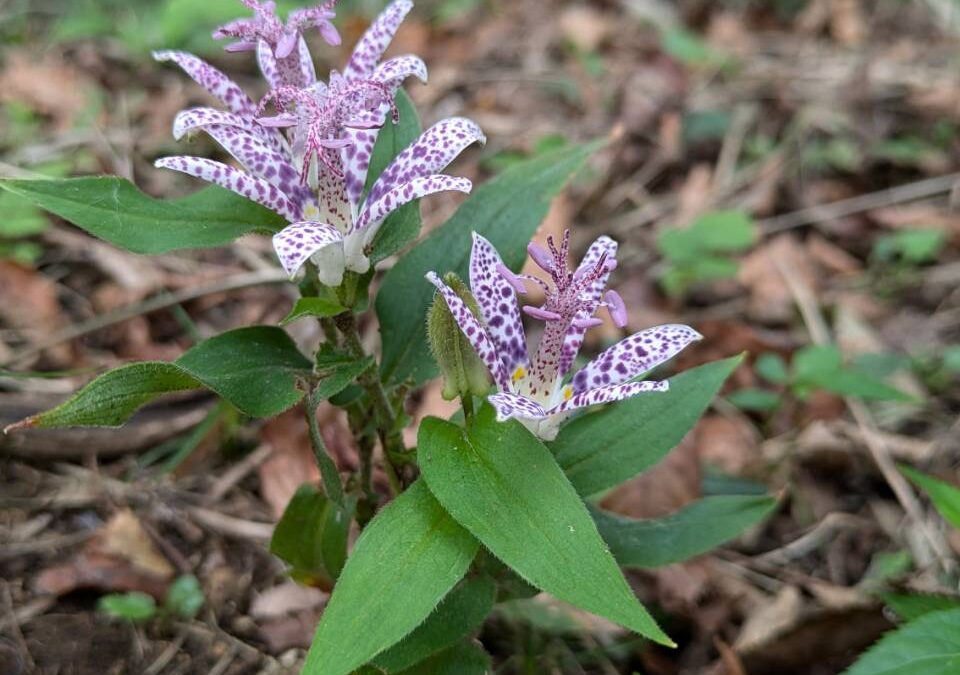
[{"x": 328, "y": 468}]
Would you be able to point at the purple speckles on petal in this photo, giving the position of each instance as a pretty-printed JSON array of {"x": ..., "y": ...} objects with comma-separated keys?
[
  {"x": 638, "y": 353},
  {"x": 493, "y": 291},
  {"x": 431, "y": 152},
  {"x": 510, "y": 405},
  {"x": 255, "y": 189},
  {"x": 608, "y": 394},
  {"x": 296, "y": 243},
  {"x": 374, "y": 42},
  {"x": 219, "y": 85},
  {"x": 374, "y": 213}
]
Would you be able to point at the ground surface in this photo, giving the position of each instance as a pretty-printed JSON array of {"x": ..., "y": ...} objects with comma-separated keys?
[{"x": 833, "y": 125}]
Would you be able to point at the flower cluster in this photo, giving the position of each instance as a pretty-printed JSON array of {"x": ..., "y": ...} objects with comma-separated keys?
[
  {"x": 308, "y": 161},
  {"x": 533, "y": 387}
]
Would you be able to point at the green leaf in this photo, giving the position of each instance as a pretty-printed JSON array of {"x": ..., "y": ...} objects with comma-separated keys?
[
  {"x": 459, "y": 615},
  {"x": 690, "y": 48},
  {"x": 851, "y": 382},
  {"x": 184, "y": 597},
  {"x": 506, "y": 210},
  {"x": 945, "y": 497},
  {"x": 771, "y": 367},
  {"x": 465, "y": 658},
  {"x": 814, "y": 362},
  {"x": 133, "y": 606},
  {"x": 930, "y": 645},
  {"x": 602, "y": 449},
  {"x": 312, "y": 537},
  {"x": 403, "y": 225},
  {"x": 728, "y": 231},
  {"x": 112, "y": 208},
  {"x": 912, "y": 606},
  {"x": 752, "y": 398},
  {"x": 697, "y": 528},
  {"x": 315, "y": 307},
  {"x": 339, "y": 376},
  {"x": 254, "y": 368},
  {"x": 407, "y": 559},
  {"x": 503, "y": 485}
]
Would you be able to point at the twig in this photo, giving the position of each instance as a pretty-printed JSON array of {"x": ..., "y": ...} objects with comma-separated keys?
[
  {"x": 237, "y": 473},
  {"x": 878, "y": 449},
  {"x": 15, "y": 627},
  {"x": 832, "y": 524},
  {"x": 231, "y": 526},
  {"x": 161, "y": 301},
  {"x": 166, "y": 656},
  {"x": 871, "y": 200}
]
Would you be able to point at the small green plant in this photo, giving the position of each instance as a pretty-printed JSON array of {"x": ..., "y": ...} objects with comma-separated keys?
[
  {"x": 183, "y": 600},
  {"x": 928, "y": 642},
  {"x": 703, "y": 251},
  {"x": 820, "y": 368},
  {"x": 909, "y": 247}
]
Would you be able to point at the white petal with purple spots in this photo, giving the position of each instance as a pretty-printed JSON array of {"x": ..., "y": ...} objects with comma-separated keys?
[
  {"x": 297, "y": 243},
  {"x": 431, "y": 152},
  {"x": 219, "y": 85},
  {"x": 607, "y": 394},
  {"x": 254, "y": 189},
  {"x": 375, "y": 40},
  {"x": 393, "y": 72},
  {"x": 374, "y": 214},
  {"x": 257, "y": 157},
  {"x": 474, "y": 331},
  {"x": 509, "y": 406},
  {"x": 495, "y": 296},
  {"x": 356, "y": 156},
  {"x": 192, "y": 119},
  {"x": 634, "y": 356}
]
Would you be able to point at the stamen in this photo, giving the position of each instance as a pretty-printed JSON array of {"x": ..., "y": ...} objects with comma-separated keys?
[
  {"x": 512, "y": 279},
  {"x": 540, "y": 256},
  {"x": 617, "y": 308},
  {"x": 585, "y": 324},
  {"x": 541, "y": 313}
]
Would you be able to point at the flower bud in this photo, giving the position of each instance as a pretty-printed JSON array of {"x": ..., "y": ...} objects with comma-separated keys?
[{"x": 463, "y": 371}]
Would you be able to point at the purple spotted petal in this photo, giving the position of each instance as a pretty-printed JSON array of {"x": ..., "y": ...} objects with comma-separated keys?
[
  {"x": 295, "y": 243},
  {"x": 607, "y": 394},
  {"x": 603, "y": 246},
  {"x": 393, "y": 72},
  {"x": 245, "y": 185},
  {"x": 634, "y": 355},
  {"x": 268, "y": 64},
  {"x": 474, "y": 331},
  {"x": 356, "y": 156},
  {"x": 257, "y": 157},
  {"x": 374, "y": 42},
  {"x": 334, "y": 207},
  {"x": 307, "y": 69},
  {"x": 197, "y": 118},
  {"x": 430, "y": 153},
  {"x": 374, "y": 213},
  {"x": 219, "y": 85},
  {"x": 495, "y": 295},
  {"x": 509, "y": 406}
]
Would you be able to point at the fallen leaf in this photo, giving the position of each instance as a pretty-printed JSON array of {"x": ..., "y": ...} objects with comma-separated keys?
[
  {"x": 728, "y": 444},
  {"x": 585, "y": 27},
  {"x": 28, "y": 301},
  {"x": 120, "y": 556},
  {"x": 767, "y": 622},
  {"x": 770, "y": 300}
]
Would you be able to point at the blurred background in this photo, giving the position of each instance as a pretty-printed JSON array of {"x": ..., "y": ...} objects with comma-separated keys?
[{"x": 780, "y": 174}]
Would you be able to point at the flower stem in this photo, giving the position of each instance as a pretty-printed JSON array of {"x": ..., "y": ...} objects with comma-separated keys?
[
  {"x": 328, "y": 468},
  {"x": 466, "y": 401}
]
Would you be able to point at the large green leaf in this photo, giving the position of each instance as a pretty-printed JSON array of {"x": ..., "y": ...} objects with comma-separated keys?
[
  {"x": 602, "y": 449},
  {"x": 312, "y": 537},
  {"x": 912, "y": 606},
  {"x": 506, "y": 210},
  {"x": 460, "y": 614},
  {"x": 696, "y": 529},
  {"x": 403, "y": 225},
  {"x": 504, "y": 486},
  {"x": 113, "y": 209},
  {"x": 254, "y": 368},
  {"x": 407, "y": 559},
  {"x": 945, "y": 497},
  {"x": 463, "y": 658},
  {"x": 928, "y": 646}
]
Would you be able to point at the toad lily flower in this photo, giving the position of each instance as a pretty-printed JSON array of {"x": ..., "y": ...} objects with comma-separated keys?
[
  {"x": 531, "y": 387},
  {"x": 314, "y": 176},
  {"x": 281, "y": 50}
]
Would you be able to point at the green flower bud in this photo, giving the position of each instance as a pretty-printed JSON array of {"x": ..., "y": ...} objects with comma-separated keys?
[{"x": 463, "y": 371}]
